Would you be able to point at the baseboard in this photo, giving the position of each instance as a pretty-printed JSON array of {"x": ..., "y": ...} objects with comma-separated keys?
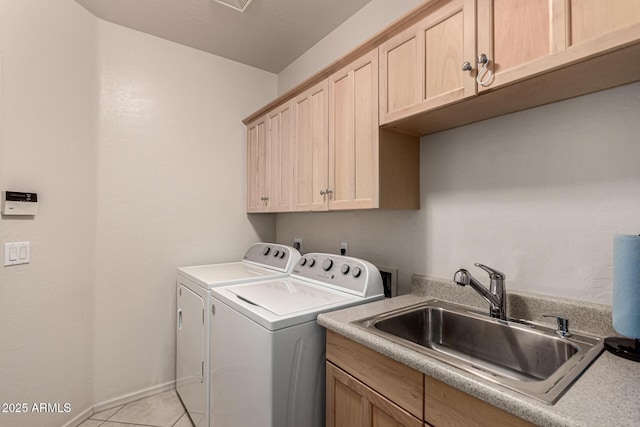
[
  {"x": 80, "y": 418},
  {"x": 128, "y": 398},
  {"x": 122, "y": 400}
]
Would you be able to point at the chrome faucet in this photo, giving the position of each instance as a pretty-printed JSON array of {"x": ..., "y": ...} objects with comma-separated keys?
[{"x": 496, "y": 295}]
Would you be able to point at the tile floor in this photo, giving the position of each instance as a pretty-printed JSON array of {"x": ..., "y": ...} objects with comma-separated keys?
[{"x": 160, "y": 410}]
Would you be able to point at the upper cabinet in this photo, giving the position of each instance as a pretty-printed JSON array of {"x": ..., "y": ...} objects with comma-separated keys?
[
  {"x": 342, "y": 160},
  {"x": 280, "y": 145},
  {"x": 523, "y": 38},
  {"x": 270, "y": 161},
  {"x": 257, "y": 165},
  {"x": 347, "y": 138},
  {"x": 421, "y": 68},
  {"x": 311, "y": 152},
  {"x": 367, "y": 168}
]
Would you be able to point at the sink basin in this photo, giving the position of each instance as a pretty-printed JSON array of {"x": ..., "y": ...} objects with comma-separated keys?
[{"x": 523, "y": 356}]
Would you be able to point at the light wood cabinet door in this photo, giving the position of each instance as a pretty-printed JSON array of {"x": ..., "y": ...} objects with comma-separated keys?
[
  {"x": 353, "y": 135},
  {"x": 369, "y": 167},
  {"x": 257, "y": 166},
  {"x": 446, "y": 406},
  {"x": 311, "y": 152},
  {"x": 350, "y": 403},
  {"x": 279, "y": 155},
  {"x": 421, "y": 67},
  {"x": 523, "y": 38},
  {"x": 399, "y": 383}
]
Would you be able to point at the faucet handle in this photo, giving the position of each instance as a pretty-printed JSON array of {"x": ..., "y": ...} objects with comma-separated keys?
[
  {"x": 493, "y": 274},
  {"x": 563, "y": 325}
]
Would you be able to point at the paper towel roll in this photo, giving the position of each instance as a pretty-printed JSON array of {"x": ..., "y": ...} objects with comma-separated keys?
[{"x": 626, "y": 285}]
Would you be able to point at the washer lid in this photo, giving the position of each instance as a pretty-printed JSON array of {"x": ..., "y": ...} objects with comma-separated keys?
[
  {"x": 283, "y": 297},
  {"x": 209, "y": 276}
]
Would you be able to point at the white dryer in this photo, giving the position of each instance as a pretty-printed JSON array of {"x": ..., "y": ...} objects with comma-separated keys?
[
  {"x": 262, "y": 261},
  {"x": 267, "y": 355}
]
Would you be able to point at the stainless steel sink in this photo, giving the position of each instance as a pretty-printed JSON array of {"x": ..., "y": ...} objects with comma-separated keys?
[{"x": 523, "y": 356}]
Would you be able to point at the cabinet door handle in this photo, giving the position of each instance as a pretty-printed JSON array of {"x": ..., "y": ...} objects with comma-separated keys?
[
  {"x": 466, "y": 66},
  {"x": 485, "y": 75},
  {"x": 322, "y": 192}
]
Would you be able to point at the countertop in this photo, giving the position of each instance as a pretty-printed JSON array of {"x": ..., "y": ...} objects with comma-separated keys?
[{"x": 607, "y": 393}]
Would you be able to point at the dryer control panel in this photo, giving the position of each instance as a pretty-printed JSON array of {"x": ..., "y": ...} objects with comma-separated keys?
[
  {"x": 347, "y": 274},
  {"x": 272, "y": 255}
]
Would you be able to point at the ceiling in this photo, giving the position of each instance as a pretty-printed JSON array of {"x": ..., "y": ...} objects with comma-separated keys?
[{"x": 269, "y": 34}]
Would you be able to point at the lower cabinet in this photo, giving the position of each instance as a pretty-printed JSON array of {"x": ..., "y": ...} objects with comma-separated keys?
[
  {"x": 447, "y": 406},
  {"x": 350, "y": 403},
  {"x": 366, "y": 389}
]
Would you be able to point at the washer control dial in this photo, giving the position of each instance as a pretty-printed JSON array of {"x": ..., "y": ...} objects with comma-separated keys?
[
  {"x": 302, "y": 261},
  {"x": 344, "y": 269},
  {"x": 356, "y": 272},
  {"x": 312, "y": 262},
  {"x": 276, "y": 253},
  {"x": 266, "y": 250},
  {"x": 327, "y": 264}
]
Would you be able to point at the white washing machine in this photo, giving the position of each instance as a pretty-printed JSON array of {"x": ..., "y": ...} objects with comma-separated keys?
[
  {"x": 267, "y": 354},
  {"x": 262, "y": 261}
]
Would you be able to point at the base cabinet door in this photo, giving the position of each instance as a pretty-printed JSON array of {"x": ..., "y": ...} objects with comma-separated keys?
[
  {"x": 350, "y": 403},
  {"x": 446, "y": 406}
]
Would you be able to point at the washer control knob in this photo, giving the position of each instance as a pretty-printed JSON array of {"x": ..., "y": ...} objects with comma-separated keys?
[
  {"x": 356, "y": 272},
  {"x": 312, "y": 262},
  {"x": 266, "y": 250},
  {"x": 282, "y": 254},
  {"x": 344, "y": 269},
  {"x": 276, "y": 253},
  {"x": 303, "y": 261},
  {"x": 327, "y": 264}
]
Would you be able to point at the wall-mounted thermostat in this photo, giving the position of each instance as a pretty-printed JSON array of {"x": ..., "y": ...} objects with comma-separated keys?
[{"x": 19, "y": 203}]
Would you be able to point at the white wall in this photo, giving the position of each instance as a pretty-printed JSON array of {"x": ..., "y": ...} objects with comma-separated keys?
[
  {"x": 171, "y": 192},
  {"x": 368, "y": 21},
  {"x": 47, "y": 145},
  {"x": 537, "y": 194},
  {"x": 136, "y": 148}
]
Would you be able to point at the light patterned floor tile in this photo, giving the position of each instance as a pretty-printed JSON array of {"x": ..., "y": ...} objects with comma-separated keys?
[
  {"x": 184, "y": 421},
  {"x": 161, "y": 410},
  {"x": 105, "y": 415},
  {"x": 91, "y": 423},
  {"x": 110, "y": 424}
]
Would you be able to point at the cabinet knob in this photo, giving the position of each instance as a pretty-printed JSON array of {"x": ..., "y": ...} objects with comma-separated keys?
[
  {"x": 322, "y": 192},
  {"x": 466, "y": 66},
  {"x": 485, "y": 75}
]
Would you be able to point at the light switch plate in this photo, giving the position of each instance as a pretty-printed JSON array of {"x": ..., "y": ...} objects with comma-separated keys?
[{"x": 17, "y": 253}]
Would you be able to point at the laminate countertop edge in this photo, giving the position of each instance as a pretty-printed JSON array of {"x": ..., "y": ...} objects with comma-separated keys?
[{"x": 605, "y": 394}]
